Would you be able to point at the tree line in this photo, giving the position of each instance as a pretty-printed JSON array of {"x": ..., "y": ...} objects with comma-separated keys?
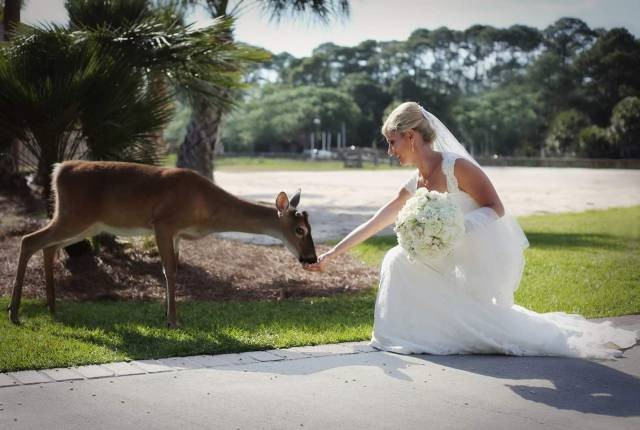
[{"x": 567, "y": 90}]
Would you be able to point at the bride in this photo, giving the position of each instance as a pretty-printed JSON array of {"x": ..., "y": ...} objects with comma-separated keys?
[{"x": 463, "y": 303}]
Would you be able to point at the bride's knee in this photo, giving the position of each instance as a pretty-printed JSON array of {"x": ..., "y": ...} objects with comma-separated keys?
[
  {"x": 393, "y": 256},
  {"x": 393, "y": 252}
]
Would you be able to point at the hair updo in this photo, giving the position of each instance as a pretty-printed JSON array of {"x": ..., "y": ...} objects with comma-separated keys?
[{"x": 408, "y": 116}]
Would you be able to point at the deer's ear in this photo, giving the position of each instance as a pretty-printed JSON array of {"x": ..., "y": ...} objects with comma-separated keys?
[
  {"x": 295, "y": 200},
  {"x": 282, "y": 203}
]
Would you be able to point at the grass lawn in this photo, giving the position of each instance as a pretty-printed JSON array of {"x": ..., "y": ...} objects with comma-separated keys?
[
  {"x": 98, "y": 332},
  {"x": 587, "y": 263},
  {"x": 255, "y": 164}
]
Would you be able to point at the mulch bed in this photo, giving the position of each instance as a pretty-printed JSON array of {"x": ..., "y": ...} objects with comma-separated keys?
[{"x": 211, "y": 268}]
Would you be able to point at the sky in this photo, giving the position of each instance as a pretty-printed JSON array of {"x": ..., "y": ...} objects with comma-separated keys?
[{"x": 385, "y": 20}]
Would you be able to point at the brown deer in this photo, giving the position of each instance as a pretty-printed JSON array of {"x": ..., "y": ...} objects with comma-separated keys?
[{"x": 133, "y": 199}]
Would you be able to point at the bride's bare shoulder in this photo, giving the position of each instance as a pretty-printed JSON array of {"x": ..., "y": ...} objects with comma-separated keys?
[
  {"x": 464, "y": 167},
  {"x": 473, "y": 181},
  {"x": 470, "y": 177}
]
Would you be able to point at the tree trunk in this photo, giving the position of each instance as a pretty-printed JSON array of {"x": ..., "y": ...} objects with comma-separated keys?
[
  {"x": 201, "y": 143},
  {"x": 159, "y": 86},
  {"x": 197, "y": 149},
  {"x": 11, "y": 16},
  {"x": 43, "y": 179}
]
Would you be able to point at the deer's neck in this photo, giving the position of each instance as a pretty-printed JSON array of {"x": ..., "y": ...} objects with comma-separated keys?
[{"x": 246, "y": 217}]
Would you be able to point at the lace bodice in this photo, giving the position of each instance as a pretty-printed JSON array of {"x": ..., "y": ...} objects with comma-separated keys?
[
  {"x": 448, "y": 165},
  {"x": 464, "y": 200}
]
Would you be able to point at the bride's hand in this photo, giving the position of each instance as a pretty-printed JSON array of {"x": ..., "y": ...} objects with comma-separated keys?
[{"x": 323, "y": 260}]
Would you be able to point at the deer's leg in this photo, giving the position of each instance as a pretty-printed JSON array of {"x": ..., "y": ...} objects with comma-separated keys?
[
  {"x": 48, "y": 255},
  {"x": 53, "y": 234},
  {"x": 164, "y": 241},
  {"x": 25, "y": 255},
  {"x": 176, "y": 251}
]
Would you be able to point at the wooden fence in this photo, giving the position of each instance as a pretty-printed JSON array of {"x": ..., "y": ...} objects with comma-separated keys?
[{"x": 356, "y": 156}]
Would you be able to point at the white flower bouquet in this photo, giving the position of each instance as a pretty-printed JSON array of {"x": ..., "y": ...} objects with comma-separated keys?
[{"x": 429, "y": 225}]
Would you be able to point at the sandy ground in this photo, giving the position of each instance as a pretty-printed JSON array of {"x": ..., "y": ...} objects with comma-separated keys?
[{"x": 337, "y": 201}]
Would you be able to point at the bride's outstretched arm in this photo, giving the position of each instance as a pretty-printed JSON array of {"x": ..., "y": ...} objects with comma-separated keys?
[{"x": 382, "y": 218}]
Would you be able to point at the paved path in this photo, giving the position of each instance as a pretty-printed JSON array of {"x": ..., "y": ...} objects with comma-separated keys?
[
  {"x": 348, "y": 386},
  {"x": 338, "y": 201}
]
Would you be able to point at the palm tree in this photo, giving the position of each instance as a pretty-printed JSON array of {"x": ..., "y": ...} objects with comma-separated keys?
[
  {"x": 87, "y": 92},
  {"x": 203, "y": 131}
]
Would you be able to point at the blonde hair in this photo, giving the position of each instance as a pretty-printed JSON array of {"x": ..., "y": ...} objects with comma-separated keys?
[{"x": 408, "y": 116}]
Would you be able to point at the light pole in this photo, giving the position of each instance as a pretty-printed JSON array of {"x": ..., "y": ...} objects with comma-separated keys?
[
  {"x": 493, "y": 136},
  {"x": 316, "y": 121}
]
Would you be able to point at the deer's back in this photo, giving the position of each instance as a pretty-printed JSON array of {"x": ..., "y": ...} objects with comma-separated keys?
[{"x": 129, "y": 194}]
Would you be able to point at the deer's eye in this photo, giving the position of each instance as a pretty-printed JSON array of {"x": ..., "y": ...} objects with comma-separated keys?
[{"x": 300, "y": 231}]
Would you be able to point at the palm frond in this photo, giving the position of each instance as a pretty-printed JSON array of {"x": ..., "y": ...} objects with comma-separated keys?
[
  {"x": 124, "y": 124},
  {"x": 63, "y": 97},
  {"x": 198, "y": 61},
  {"x": 41, "y": 81},
  {"x": 320, "y": 9},
  {"x": 109, "y": 13}
]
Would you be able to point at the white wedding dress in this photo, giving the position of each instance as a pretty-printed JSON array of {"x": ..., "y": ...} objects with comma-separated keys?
[{"x": 463, "y": 303}]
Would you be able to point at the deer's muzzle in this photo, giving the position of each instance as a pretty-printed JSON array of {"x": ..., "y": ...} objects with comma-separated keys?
[{"x": 308, "y": 260}]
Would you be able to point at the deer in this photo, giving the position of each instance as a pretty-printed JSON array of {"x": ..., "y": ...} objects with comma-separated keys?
[{"x": 130, "y": 199}]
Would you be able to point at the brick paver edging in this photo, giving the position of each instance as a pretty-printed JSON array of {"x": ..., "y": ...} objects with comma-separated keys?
[{"x": 176, "y": 364}]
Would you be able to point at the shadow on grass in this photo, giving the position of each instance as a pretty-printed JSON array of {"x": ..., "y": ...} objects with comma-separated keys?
[
  {"x": 138, "y": 329},
  {"x": 572, "y": 240},
  {"x": 536, "y": 239}
]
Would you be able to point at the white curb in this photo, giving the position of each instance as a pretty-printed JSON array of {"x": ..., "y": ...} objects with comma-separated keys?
[{"x": 176, "y": 364}]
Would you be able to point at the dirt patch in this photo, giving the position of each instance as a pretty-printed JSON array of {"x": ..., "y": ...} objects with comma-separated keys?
[{"x": 210, "y": 269}]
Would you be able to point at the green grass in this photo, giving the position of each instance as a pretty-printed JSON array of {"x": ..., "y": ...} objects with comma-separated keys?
[
  {"x": 99, "y": 332},
  {"x": 255, "y": 164},
  {"x": 587, "y": 263}
]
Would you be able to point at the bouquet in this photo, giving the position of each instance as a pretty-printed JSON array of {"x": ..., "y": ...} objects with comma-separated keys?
[{"x": 429, "y": 225}]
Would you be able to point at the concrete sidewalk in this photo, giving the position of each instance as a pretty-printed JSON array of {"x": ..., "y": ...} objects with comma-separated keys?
[{"x": 330, "y": 386}]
